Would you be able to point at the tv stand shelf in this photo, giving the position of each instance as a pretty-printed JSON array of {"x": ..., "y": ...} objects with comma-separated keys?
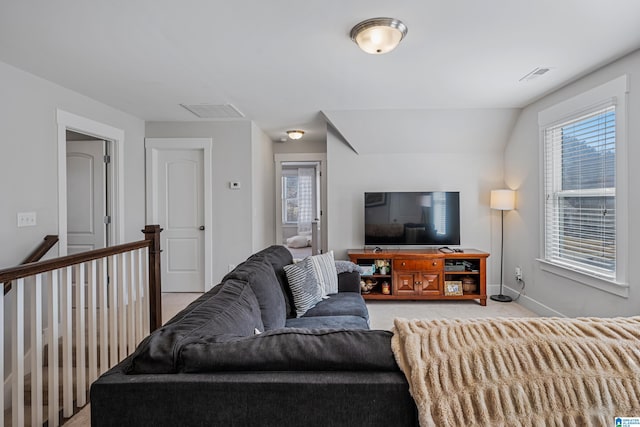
[{"x": 424, "y": 274}]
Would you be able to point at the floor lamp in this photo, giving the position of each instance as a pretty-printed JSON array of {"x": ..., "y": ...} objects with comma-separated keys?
[{"x": 502, "y": 200}]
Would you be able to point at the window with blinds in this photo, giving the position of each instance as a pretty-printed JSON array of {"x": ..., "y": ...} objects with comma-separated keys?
[{"x": 580, "y": 192}]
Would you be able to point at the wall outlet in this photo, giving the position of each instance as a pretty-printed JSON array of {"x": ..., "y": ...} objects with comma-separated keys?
[
  {"x": 235, "y": 185},
  {"x": 518, "y": 273},
  {"x": 26, "y": 219}
]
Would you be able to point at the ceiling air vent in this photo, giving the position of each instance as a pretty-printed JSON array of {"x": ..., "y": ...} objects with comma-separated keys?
[
  {"x": 209, "y": 111},
  {"x": 537, "y": 72}
]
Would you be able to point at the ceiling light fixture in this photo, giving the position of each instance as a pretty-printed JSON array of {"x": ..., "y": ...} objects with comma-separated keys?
[
  {"x": 379, "y": 35},
  {"x": 295, "y": 134}
]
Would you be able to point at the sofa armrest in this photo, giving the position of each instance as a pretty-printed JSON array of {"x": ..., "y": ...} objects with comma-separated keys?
[{"x": 349, "y": 282}]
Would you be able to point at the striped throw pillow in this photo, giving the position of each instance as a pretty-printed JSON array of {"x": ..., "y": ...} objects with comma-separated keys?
[
  {"x": 325, "y": 268},
  {"x": 304, "y": 285}
]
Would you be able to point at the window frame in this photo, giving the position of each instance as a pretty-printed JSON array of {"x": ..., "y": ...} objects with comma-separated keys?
[{"x": 613, "y": 92}]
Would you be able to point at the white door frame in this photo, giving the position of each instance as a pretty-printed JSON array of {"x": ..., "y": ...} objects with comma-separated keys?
[
  {"x": 303, "y": 157},
  {"x": 69, "y": 121},
  {"x": 152, "y": 146}
]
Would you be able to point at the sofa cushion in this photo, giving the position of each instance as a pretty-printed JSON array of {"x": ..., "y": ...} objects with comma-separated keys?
[
  {"x": 304, "y": 285},
  {"x": 279, "y": 256},
  {"x": 294, "y": 350},
  {"x": 329, "y": 322},
  {"x": 259, "y": 274},
  {"x": 233, "y": 312},
  {"x": 194, "y": 304},
  {"x": 340, "y": 304}
]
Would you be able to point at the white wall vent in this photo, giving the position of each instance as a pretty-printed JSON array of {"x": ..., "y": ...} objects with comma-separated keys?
[
  {"x": 209, "y": 111},
  {"x": 537, "y": 72}
]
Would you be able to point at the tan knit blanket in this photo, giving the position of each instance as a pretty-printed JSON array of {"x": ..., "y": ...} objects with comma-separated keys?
[{"x": 521, "y": 372}]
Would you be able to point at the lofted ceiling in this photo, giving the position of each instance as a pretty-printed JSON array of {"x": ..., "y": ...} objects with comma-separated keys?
[{"x": 283, "y": 63}]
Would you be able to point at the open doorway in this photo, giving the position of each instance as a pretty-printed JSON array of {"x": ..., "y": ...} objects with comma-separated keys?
[
  {"x": 299, "y": 220},
  {"x": 113, "y": 191},
  {"x": 88, "y": 208}
]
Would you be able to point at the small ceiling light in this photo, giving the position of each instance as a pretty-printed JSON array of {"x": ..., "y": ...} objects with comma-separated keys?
[
  {"x": 379, "y": 35},
  {"x": 295, "y": 134}
]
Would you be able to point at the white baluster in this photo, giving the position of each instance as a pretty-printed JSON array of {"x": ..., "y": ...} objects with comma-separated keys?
[
  {"x": 140, "y": 283},
  {"x": 113, "y": 311},
  {"x": 131, "y": 306},
  {"x": 104, "y": 314},
  {"x": 122, "y": 312},
  {"x": 36, "y": 351},
  {"x": 66, "y": 308},
  {"x": 81, "y": 372},
  {"x": 145, "y": 292},
  {"x": 17, "y": 356},
  {"x": 53, "y": 339},
  {"x": 92, "y": 324}
]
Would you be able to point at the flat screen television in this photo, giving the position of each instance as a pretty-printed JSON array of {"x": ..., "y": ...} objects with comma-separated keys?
[{"x": 412, "y": 218}]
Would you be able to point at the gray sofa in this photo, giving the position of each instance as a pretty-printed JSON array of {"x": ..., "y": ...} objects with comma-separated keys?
[{"x": 241, "y": 356}]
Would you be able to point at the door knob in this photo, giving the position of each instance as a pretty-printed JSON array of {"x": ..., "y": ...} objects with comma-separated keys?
[{"x": 202, "y": 227}]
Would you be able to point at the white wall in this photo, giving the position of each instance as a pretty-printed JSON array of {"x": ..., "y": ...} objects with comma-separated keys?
[
  {"x": 29, "y": 168},
  {"x": 472, "y": 172},
  {"x": 299, "y": 146},
  {"x": 28, "y": 160},
  {"x": 264, "y": 195},
  {"x": 547, "y": 293},
  {"x": 235, "y": 232}
]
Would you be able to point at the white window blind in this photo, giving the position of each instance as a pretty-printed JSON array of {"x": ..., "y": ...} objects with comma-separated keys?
[{"x": 580, "y": 192}]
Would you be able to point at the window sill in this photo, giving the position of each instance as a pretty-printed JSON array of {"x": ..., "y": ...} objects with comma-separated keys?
[{"x": 612, "y": 287}]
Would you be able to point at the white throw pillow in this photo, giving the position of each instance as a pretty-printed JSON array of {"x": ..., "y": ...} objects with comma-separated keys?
[
  {"x": 325, "y": 268},
  {"x": 298, "y": 242}
]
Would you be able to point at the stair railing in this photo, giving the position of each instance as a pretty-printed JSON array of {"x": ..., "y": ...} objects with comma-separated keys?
[
  {"x": 99, "y": 305},
  {"x": 47, "y": 243}
]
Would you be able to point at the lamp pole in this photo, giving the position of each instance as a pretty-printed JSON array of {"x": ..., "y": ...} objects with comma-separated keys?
[
  {"x": 503, "y": 200},
  {"x": 501, "y": 297}
]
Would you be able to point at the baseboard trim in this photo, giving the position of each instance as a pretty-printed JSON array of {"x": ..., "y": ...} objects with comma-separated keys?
[{"x": 525, "y": 301}]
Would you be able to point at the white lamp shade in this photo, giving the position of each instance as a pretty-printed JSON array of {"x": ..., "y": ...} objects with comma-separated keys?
[{"x": 503, "y": 200}]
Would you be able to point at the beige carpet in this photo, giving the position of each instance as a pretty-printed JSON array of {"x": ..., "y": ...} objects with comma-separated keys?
[
  {"x": 533, "y": 372},
  {"x": 381, "y": 314}
]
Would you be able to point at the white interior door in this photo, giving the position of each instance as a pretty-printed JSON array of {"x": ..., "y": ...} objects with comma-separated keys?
[
  {"x": 86, "y": 196},
  {"x": 180, "y": 209}
]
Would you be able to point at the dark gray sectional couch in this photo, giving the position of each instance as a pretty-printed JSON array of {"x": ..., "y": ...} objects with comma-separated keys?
[{"x": 208, "y": 366}]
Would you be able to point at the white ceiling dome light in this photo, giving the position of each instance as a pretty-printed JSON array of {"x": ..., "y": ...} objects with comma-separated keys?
[
  {"x": 379, "y": 35},
  {"x": 295, "y": 134}
]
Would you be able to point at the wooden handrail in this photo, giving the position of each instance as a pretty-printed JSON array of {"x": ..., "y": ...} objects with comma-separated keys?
[
  {"x": 151, "y": 241},
  {"x": 47, "y": 243},
  {"x": 31, "y": 269}
]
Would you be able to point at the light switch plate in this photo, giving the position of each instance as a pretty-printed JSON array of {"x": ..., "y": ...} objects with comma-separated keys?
[{"x": 26, "y": 219}]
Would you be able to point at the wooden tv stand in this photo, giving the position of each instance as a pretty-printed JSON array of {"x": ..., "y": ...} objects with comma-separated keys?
[{"x": 424, "y": 274}]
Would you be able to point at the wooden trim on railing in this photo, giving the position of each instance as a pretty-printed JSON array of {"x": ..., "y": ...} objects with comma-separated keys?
[
  {"x": 47, "y": 243},
  {"x": 152, "y": 234}
]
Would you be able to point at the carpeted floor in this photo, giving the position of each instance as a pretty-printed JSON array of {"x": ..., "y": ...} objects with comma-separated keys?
[{"x": 381, "y": 314}]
